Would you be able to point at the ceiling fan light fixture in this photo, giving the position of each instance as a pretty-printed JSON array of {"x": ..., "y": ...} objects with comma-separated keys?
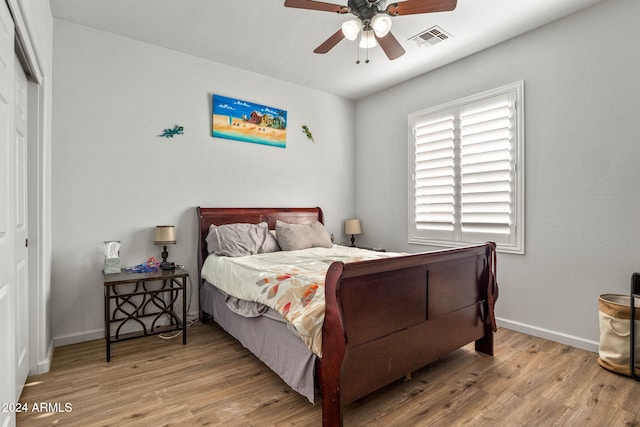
[
  {"x": 351, "y": 29},
  {"x": 368, "y": 40},
  {"x": 381, "y": 24}
]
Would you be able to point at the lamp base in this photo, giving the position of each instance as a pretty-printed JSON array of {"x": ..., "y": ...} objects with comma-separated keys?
[
  {"x": 353, "y": 241},
  {"x": 167, "y": 265}
]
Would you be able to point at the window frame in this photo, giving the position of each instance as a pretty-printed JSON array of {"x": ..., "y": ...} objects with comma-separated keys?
[{"x": 514, "y": 241}]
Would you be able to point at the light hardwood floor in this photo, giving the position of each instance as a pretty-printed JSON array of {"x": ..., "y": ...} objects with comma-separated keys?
[{"x": 213, "y": 380}]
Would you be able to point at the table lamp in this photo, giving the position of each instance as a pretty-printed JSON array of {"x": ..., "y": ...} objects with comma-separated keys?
[
  {"x": 165, "y": 235},
  {"x": 352, "y": 226}
]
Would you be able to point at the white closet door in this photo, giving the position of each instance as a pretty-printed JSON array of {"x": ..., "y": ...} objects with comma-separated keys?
[
  {"x": 20, "y": 224},
  {"x": 7, "y": 220}
]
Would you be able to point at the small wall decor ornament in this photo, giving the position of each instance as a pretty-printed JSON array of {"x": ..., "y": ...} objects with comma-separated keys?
[
  {"x": 306, "y": 130},
  {"x": 177, "y": 130}
]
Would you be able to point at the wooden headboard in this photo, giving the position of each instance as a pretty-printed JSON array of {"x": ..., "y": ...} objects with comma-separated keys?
[{"x": 221, "y": 216}]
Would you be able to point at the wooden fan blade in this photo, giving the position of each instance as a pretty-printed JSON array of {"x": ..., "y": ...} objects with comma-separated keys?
[
  {"x": 412, "y": 7},
  {"x": 330, "y": 42},
  {"x": 391, "y": 46},
  {"x": 316, "y": 5}
]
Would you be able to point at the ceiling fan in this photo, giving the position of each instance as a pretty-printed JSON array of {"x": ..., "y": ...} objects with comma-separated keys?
[{"x": 372, "y": 20}]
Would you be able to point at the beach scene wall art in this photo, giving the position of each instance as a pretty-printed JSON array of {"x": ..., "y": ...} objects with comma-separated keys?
[{"x": 248, "y": 122}]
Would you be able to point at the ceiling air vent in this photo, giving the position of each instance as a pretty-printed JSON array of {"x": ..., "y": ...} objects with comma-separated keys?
[{"x": 432, "y": 36}]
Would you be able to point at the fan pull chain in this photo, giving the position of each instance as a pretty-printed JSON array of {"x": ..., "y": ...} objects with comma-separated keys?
[{"x": 358, "y": 55}]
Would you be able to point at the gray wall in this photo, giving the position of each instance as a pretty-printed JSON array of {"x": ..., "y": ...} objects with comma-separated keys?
[
  {"x": 114, "y": 178},
  {"x": 582, "y": 145}
]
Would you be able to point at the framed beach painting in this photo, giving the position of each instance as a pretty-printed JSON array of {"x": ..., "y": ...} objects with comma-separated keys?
[{"x": 248, "y": 122}]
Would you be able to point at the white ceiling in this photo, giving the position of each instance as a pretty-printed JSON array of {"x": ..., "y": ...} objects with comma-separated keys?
[{"x": 263, "y": 36}]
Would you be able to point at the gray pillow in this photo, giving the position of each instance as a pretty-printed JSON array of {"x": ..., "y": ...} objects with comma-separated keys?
[
  {"x": 302, "y": 236},
  {"x": 240, "y": 239}
]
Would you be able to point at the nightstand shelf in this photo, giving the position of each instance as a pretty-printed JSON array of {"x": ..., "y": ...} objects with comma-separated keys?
[{"x": 132, "y": 298}]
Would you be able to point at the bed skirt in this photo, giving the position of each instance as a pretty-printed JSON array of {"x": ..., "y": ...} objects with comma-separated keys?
[{"x": 269, "y": 338}]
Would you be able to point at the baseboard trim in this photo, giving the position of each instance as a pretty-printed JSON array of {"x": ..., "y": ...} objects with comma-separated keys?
[
  {"x": 550, "y": 335},
  {"x": 44, "y": 365},
  {"x": 503, "y": 323},
  {"x": 95, "y": 334},
  {"x": 78, "y": 338}
]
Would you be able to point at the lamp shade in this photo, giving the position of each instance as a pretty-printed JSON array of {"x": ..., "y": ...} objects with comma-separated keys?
[
  {"x": 367, "y": 40},
  {"x": 381, "y": 25},
  {"x": 165, "y": 235},
  {"x": 352, "y": 226},
  {"x": 351, "y": 28}
]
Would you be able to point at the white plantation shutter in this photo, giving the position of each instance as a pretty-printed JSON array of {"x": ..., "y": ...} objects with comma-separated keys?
[
  {"x": 467, "y": 179},
  {"x": 486, "y": 144},
  {"x": 434, "y": 175}
]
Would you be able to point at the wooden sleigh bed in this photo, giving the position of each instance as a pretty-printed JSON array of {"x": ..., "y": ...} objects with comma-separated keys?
[{"x": 384, "y": 318}]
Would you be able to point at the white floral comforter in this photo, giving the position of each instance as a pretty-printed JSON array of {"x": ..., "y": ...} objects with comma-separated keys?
[{"x": 290, "y": 282}]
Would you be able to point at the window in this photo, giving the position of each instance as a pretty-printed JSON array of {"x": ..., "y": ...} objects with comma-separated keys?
[{"x": 466, "y": 164}]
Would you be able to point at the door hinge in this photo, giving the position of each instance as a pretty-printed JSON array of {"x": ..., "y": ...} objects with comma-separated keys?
[{"x": 26, "y": 243}]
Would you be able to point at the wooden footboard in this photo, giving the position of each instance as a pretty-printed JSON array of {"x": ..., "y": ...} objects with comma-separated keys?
[{"x": 387, "y": 318}]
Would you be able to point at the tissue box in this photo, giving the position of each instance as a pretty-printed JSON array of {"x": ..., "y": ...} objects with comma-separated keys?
[{"x": 111, "y": 265}]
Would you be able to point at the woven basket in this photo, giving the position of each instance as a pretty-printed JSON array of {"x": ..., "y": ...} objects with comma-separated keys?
[{"x": 615, "y": 333}]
